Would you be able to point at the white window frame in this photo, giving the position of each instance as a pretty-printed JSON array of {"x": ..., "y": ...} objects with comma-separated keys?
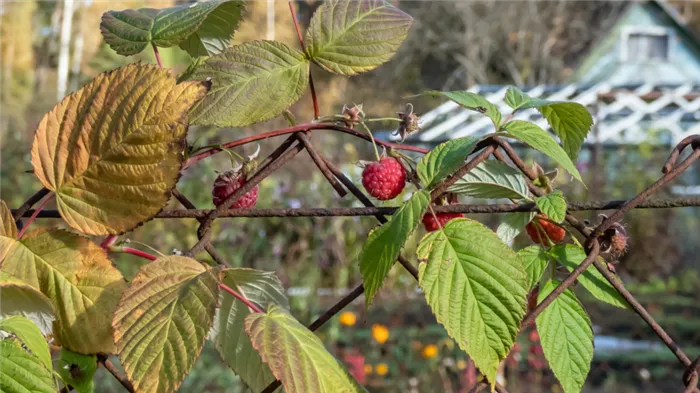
[{"x": 627, "y": 31}]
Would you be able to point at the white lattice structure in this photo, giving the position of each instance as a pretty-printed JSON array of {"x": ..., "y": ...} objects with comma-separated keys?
[{"x": 646, "y": 113}]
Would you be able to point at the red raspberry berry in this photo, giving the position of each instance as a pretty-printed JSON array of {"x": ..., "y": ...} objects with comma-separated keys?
[
  {"x": 553, "y": 231},
  {"x": 384, "y": 179},
  {"x": 226, "y": 184},
  {"x": 431, "y": 224}
]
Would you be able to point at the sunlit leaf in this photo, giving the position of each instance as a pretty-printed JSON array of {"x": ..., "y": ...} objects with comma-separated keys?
[
  {"x": 472, "y": 101},
  {"x": 352, "y": 36},
  {"x": 296, "y": 356},
  {"x": 8, "y": 230},
  {"x": 535, "y": 259},
  {"x": 566, "y": 337},
  {"x": 492, "y": 179},
  {"x": 30, "y": 335},
  {"x": 385, "y": 243},
  {"x": 200, "y": 28},
  {"x": 22, "y": 372},
  {"x": 251, "y": 82},
  {"x": 476, "y": 286},
  {"x": 162, "y": 321},
  {"x": 539, "y": 139},
  {"x": 19, "y": 298},
  {"x": 553, "y": 205},
  {"x": 227, "y": 334},
  {"x": 82, "y": 284},
  {"x": 571, "y": 256},
  {"x": 77, "y": 370},
  {"x": 112, "y": 151},
  {"x": 444, "y": 159}
]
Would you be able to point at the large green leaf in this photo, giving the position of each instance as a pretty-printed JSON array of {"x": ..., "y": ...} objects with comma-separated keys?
[
  {"x": 19, "y": 298},
  {"x": 571, "y": 121},
  {"x": 566, "y": 337},
  {"x": 82, "y": 284},
  {"x": 535, "y": 259},
  {"x": 77, "y": 370},
  {"x": 162, "y": 321},
  {"x": 201, "y": 28},
  {"x": 492, "y": 179},
  {"x": 296, "y": 356},
  {"x": 214, "y": 34},
  {"x": 476, "y": 286},
  {"x": 30, "y": 335},
  {"x": 251, "y": 82},
  {"x": 571, "y": 256},
  {"x": 385, "y": 243},
  {"x": 227, "y": 334},
  {"x": 473, "y": 102},
  {"x": 553, "y": 205},
  {"x": 112, "y": 151},
  {"x": 444, "y": 159},
  {"x": 352, "y": 36},
  {"x": 538, "y": 138},
  {"x": 513, "y": 223},
  {"x": 22, "y": 372}
]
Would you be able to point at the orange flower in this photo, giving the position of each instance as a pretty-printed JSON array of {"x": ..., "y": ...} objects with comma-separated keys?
[
  {"x": 430, "y": 351},
  {"x": 368, "y": 369},
  {"x": 381, "y": 369},
  {"x": 380, "y": 333},
  {"x": 347, "y": 318}
]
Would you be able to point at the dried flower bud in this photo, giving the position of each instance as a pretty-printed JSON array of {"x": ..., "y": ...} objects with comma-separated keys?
[
  {"x": 409, "y": 123},
  {"x": 352, "y": 115}
]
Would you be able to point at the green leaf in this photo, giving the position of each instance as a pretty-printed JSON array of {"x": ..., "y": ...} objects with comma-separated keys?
[
  {"x": 539, "y": 139},
  {"x": 513, "y": 223},
  {"x": 30, "y": 335},
  {"x": 200, "y": 28},
  {"x": 571, "y": 256},
  {"x": 251, "y": 82},
  {"x": 8, "y": 230},
  {"x": 476, "y": 286},
  {"x": 535, "y": 259},
  {"x": 566, "y": 337},
  {"x": 472, "y": 101},
  {"x": 348, "y": 37},
  {"x": 21, "y": 299},
  {"x": 516, "y": 99},
  {"x": 553, "y": 205},
  {"x": 492, "y": 179},
  {"x": 215, "y": 33},
  {"x": 571, "y": 122},
  {"x": 385, "y": 243},
  {"x": 296, "y": 356},
  {"x": 113, "y": 150},
  {"x": 444, "y": 159},
  {"x": 162, "y": 321},
  {"x": 77, "y": 370},
  {"x": 22, "y": 372},
  {"x": 82, "y": 284},
  {"x": 261, "y": 288}
]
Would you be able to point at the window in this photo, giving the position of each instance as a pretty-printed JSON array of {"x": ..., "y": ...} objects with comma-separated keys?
[{"x": 640, "y": 45}]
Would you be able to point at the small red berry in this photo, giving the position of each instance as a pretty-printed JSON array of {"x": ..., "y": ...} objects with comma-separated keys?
[
  {"x": 226, "y": 184},
  {"x": 384, "y": 179},
  {"x": 553, "y": 231},
  {"x": 431, "y": 224}
]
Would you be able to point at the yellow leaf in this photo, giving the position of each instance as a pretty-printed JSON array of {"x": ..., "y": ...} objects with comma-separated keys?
[
  {"x": 80, "y": 281},
  {"x": 113, "y": 150},
  {"x": 8, "y": 230}
]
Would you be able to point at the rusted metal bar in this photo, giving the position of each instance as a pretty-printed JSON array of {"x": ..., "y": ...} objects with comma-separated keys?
[
  {"x": 447, "y": 183},
  {"x": 39, "y": 195},
  {"x": 320, "y": 163},
  {"x": 109, "y": 366}
]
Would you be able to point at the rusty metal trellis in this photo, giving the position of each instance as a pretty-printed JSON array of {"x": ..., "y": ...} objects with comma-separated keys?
[{"x": 493, "y": 146}]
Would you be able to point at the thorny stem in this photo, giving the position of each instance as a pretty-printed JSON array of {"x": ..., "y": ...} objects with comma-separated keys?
[
  {"x": 374, "y": 143},
  {"x": 380, "y": 119},
  {"x": 155, "y": 51},
  {"x": 108, "y": 241},
  {"x": 241, "y": 298},
  {"x": 34, "y": 215},
  {"x": 133, "y": 251},
  {"x": 314, "y": 99}
]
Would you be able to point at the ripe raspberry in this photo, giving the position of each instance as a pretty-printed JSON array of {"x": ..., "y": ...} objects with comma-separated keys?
[
  {"x": 384, "y": 179},
  {"x": 554, "y": 232},
  {"x": 431, "y": 224},
  {"x": 226, "y": 184}
]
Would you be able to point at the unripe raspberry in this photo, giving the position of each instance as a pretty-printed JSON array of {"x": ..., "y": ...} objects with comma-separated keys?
[
  {"x": 384, "y": 179},
  {"x": 226, "y": 184},
  {"x": 553, "y": 231},
  {"x": 431, "y": 224}
]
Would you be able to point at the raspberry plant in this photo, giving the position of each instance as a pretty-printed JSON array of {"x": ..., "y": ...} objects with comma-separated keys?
[{"x": 111, "y": 155}]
